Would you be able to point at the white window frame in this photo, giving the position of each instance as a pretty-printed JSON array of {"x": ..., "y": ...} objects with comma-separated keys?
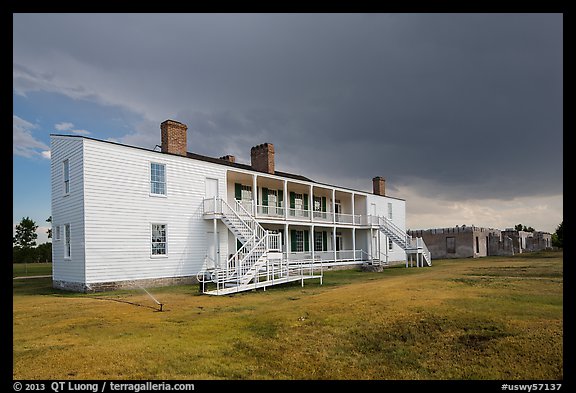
[
  {"x": 67, "y": 241},
  {"x": 389, "y": 210},
  {"x": 152, "y": 255},
  {"x": 390, "y": 244},
  {"x": 299, "y": 241},
  {"x": 56, "y": 230},
  {"x": 152, "y": 193},
  {"x": 246, "y": 193},
  {"x": 318, "y": 241},
  {"x": 66, "y": 177}
]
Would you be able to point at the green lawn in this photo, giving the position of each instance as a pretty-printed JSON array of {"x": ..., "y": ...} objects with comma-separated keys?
[
  {"x": 488, "y": 318},
  {"x": 31, "y": 269}
]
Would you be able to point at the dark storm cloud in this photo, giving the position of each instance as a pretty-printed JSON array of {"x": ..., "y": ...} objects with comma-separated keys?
[{"x": 471, "y": 103}]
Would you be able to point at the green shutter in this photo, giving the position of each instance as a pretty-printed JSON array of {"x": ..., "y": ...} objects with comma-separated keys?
[
  {"x": 306, "y": 241},
  {"x": 323, "y": 204},
  {"x": 238, "y": 244},
  {"x": 292, "y": 200},
  {"x": 293, "y": 240},
  {"x": 264, "y": 196},
  {"x": 238, "y": 191},
  {"x": 305, "y": 201},
  {"x": 324, "y": 241},
  {"x": 280, "y": 197}
]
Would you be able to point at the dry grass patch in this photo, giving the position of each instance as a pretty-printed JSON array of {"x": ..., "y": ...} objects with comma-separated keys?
[{"x": 490, "y": 318}]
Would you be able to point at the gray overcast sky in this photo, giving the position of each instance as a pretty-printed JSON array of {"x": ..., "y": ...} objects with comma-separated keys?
[{"x": 461, "y": 113}]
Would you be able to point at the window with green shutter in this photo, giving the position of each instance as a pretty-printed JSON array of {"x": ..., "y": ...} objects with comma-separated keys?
[
  {"x": 264, "y": 196},
  {"x": 238, "y": 191}
]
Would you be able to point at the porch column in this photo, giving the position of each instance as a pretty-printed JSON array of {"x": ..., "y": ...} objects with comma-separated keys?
[
  {"x": 311, "y": 202},
  {"x": 334, "y": 207},
  {"x": 215, "y": 229},
  {"x": 353, "y": 218},
  {"x": 334, "y": 240},
  {"x": 387, "y": 247},
  {"x": 353, "y": 244},
  {"x": 311, "y": 236},
  {"x": 370, "y": 245},
  {"x": 286, "y": 243},
  {"x": 285, "y": 201},
  {"x": 254, "y": 195},
  {"x": 379, "y": 249}
]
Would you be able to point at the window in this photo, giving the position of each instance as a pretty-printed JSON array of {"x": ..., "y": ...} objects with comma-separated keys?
[
  {"x": 56, "y": 232},
  {"x": 159, "y": 239},
  {"x": 299, "y": 241},
  {"x": 67, "y": 242},
  {"x": 273, "y": 198},
  {"x": 477, "y": 245},
  {"x": 320, "y": 241},
  {"x": 157, "y": 178},
  {"x": 390, "y": 244},
  {"x": 389, "y": 210},
  {"x": 450, "y": 245},
  {"x": 246, "y": 193},
  {"x": 317, "y": 204},
  {"x": 298, "y": 202},
  {"x": 66, "y": 176}
]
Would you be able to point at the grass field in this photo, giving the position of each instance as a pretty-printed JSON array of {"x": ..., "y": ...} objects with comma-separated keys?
[
  {"x": 31, "y": 269},
  {"x": 488, "y": 318}
]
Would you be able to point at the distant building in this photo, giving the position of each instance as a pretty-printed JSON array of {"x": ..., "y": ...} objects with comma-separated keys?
[{"x": 475, "y": 242}]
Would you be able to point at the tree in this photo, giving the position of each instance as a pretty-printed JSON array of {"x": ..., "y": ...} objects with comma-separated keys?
[
  {"x": 25, "y": 237},
  {"x": 558, "y": 236},
  {"x": 519, "y": 227},
  {"x": 49, "y": 231},
  {"x": 44, "y": 252}
]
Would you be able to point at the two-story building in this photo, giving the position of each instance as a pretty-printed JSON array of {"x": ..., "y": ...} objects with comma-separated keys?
[{"x": 124, "y": 216}]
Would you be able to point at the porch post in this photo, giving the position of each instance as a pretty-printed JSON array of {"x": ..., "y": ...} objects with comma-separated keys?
[
  {"x": 353, "y": 218},
  {"x": 254, "y": 195},
  {"x": 334, "y": 241},
  {"x": 370, "y": 244},
  {"x": 353, "y": 243},
  {"x": 286, "y": 204},
  {"x": 334, "y": 207},
  {"x": 215, "y": 228},
  {"x": 311, "y": 202},
  {"x": 286, "y": 243},
  {"x": 311, "y": 236}
]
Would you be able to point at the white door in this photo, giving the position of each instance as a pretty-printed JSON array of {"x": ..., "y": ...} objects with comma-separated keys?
[
  {"x": 213, "y": 254},
  {"x": 211, "y": 187}
]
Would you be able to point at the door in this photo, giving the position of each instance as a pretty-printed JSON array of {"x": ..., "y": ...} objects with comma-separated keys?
[
  {"x": 373, "y": 213},
  {"x": 338, "y": 241},
  {"x": 211, "y": 192},
  {"x": 337, "y": 209},
  {"x": 211, "y": 187},
  {"x": 213, "y": 253}
]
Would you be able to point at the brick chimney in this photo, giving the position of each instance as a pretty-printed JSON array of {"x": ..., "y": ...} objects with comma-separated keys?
[
  {"x": 174, "y": 137},
  {"x": 228, "y": 158},
  {"x": 263, "y": 158},
  {"x": 378, "y": 185}
]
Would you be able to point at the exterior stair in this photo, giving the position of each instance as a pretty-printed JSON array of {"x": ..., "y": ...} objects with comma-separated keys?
[
  {"x": 257, "y": 263},
  {"x": 412, "y": 246}
]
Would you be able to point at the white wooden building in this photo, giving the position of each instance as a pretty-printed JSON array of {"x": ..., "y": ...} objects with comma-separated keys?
[{"x": 125, "y": 216}]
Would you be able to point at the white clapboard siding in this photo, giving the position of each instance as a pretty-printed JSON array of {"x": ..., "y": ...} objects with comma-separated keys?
[
  {"x": 68, "y": 209},
  {"x": 119, "y": 211},
  {"x": 398, "y": 218}
]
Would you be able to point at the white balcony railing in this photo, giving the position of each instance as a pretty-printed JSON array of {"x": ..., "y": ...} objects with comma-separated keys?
[
  {"x": 277, "y": 212},
  {"x": 298, "y": 214},
  {"x": 327, "y": 256},
  {"x": 270, "y": 211}
]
